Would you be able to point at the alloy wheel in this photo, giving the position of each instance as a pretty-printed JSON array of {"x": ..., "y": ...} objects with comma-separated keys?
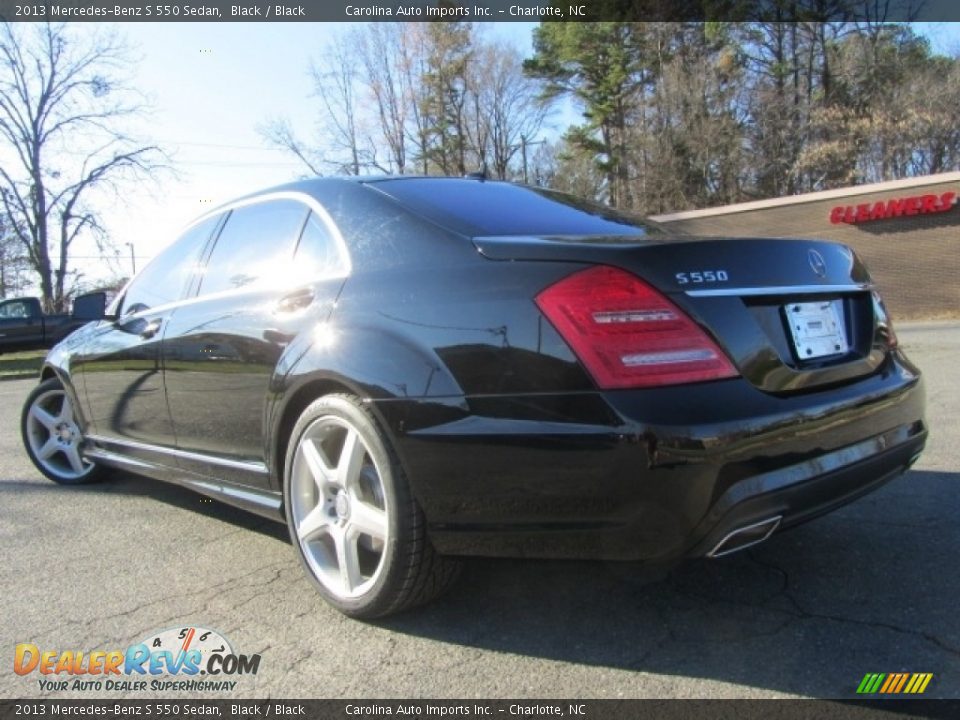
[
  {"x": 54, "y": 437},
  {"x": 339, "y": 509}
]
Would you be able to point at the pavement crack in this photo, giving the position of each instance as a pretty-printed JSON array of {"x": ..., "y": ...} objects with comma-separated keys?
[
  {"x": 299, "y": 661},
  {"x": 237, "y": 531},
  {"x": 798, "y": 611},
  {"x": 213, "y": 592}
]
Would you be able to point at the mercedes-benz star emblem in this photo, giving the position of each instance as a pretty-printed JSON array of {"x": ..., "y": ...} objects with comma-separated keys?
[{"x": 817, "y": 263}]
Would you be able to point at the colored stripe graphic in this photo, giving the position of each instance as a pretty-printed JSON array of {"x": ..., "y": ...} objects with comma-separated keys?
[
  {"x": 870, "y": 683},
  {"x": 894, "y": 683}
]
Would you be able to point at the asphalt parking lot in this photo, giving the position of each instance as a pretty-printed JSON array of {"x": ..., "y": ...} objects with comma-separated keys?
[{"x": 871, "y": 588}]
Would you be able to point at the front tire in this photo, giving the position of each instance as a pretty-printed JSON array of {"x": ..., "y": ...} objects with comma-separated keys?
[
  {"x": 52, "y": 438},
  {"x": 352, "y": 518}
]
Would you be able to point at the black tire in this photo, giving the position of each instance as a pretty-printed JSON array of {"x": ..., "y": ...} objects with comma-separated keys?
[
  {"x": 52, "y": 438},
  {"x": 337, "y": 507}
]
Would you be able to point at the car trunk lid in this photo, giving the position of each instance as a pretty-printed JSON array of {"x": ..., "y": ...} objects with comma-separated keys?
[{"x": 793, "y": 315}]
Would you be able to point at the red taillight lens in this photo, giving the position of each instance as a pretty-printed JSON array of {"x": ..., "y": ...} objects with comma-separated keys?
[{"x": 629, "y": 335}]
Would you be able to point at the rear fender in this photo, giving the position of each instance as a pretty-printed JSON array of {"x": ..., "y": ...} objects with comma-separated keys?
[
  {"x": 344, "y": 361},
  {"x": 376, "y": 363}
]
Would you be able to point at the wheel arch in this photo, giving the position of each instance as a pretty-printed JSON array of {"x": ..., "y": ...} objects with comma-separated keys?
[
  {"x": 289, "y": 410},
  {"x": 370, "y": 362},
  {"x": 53, "y": 369}
]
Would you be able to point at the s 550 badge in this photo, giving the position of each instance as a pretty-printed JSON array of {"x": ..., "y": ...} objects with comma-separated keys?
[{"x": 701, "y": 276}]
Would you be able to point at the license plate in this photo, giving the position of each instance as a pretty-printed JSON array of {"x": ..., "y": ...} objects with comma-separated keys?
[{"x": 817, "y": 328}]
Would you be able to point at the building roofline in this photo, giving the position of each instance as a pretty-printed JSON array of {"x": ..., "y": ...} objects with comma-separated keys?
[{"x": 811, "y": 197}]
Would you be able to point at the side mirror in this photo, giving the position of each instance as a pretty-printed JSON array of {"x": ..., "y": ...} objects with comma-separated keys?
[{"x": 92, "y": 306}]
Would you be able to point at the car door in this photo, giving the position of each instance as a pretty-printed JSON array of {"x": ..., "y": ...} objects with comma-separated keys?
[
  {"x": 275, "y": 269},
  {"x": 119, "y": 366}
]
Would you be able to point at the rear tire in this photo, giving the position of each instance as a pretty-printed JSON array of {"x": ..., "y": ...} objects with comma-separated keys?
[
  {"x": 357, "y": 529},
  {"x": 52, "y": 437}
]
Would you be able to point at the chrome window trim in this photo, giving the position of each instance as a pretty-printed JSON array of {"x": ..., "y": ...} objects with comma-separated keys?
[
  {"x": 298, "y": 196},
  {"x": 312, "y": 204},
  {"x": 780, "y": 290}
]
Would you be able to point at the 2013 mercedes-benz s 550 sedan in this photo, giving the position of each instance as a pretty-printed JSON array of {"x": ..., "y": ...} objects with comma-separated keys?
[{"x": 405, "y": 370}]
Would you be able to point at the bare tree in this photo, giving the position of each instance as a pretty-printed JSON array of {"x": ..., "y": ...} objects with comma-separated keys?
[
  {"x": 566, "y": 166},
  {"x": 415, "y": 66},
  {"x": 422, "y": 97},
  {"x": 336, "y": 72},
  {"x": 64, "y": 101},
  {"x": 687, "y": 137},
  {"x": 503, "y": 113},
  {"x": 362, "y": 107},
  {"x": 279, "y": 132},
  {"x": 385, "y": 53},
  {"x": 339, "y": 135},
  {"x": 13, "y": 263}
]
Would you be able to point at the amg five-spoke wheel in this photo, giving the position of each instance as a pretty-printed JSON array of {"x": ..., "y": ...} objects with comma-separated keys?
[
  {"x": 338, "y": 507},
  {"x": 358, "y": 531},
  {"x": 52, "y": 437}
]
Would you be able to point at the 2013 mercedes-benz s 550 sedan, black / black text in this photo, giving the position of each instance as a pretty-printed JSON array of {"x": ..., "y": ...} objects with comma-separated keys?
[{"x": 405, "y": 370}]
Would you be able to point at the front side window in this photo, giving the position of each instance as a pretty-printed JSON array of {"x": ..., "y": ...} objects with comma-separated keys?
[
  {"x": 255, "y": 247},
  {"x": 165, "y": 279}
]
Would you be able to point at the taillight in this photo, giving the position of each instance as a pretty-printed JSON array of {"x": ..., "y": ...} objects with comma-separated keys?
[{"x": 629, "y": 335}]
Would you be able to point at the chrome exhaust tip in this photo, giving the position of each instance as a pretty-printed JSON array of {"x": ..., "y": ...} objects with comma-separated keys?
[{"x": 745, "y": 537}]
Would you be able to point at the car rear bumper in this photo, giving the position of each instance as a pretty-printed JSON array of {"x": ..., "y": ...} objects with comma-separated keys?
[
  {"x": 653, "y": 474},
  {"x": 801, "y": 492}
]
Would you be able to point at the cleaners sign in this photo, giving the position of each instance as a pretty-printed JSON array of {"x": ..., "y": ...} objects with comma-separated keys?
[{"x": 895, "y": 207}]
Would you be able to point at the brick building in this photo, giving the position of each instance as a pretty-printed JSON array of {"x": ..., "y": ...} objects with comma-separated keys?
[{"x": 907, "y": 232}]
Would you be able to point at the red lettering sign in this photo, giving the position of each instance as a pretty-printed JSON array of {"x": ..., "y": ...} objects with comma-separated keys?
[{"x": 896, "y": 207}]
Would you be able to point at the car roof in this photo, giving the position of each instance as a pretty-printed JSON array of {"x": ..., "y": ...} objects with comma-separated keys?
[{"x": 472, "y": 206}]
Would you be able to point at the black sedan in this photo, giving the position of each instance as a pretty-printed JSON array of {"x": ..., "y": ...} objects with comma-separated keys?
[{"x": 405, "y": 370}]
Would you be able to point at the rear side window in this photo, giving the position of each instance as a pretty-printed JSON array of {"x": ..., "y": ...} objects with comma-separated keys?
[
  {"x": 165, "y": 279},
  {"x": 318, "y": 253},
  {"x": 255, "y": 247},
  {"x": 478, "y": 208}
]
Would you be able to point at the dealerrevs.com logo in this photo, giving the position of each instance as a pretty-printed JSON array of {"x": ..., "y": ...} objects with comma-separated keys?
[{"x": 179, "y": 659}]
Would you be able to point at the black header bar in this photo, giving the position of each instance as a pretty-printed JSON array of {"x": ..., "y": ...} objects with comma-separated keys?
[
  {"x": 475, "y": 10},
  {"x": 539, "y": 708},
  {"x": 444, "y": 709}
]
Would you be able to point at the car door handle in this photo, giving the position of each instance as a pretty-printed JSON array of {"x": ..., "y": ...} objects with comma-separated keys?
[
  {"x": 151, "y": 329},
  {"x": 295, "y": 300}
]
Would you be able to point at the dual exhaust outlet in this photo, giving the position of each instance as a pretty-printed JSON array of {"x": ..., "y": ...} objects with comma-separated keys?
[{"x": 745, "y": 537}]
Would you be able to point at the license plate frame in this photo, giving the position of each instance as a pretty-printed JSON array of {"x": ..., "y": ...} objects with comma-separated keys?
[{"x": 817, "y": 329}]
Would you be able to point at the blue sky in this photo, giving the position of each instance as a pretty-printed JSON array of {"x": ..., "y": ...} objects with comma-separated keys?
[{"x": 209, "y": 86}]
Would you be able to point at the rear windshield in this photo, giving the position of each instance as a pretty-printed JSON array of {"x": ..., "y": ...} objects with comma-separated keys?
[{"x": 489, "y": 208}]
